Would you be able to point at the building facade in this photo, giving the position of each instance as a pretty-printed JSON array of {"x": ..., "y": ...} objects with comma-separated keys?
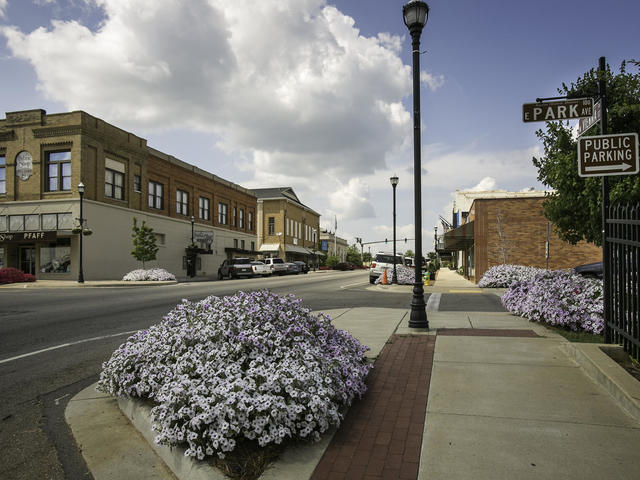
[
  {"x": 504, "y": 230},
  {"x": 286, "y": 227},
  {"x": 332, "y": 245},
  {"x": 43, "y": 159}
]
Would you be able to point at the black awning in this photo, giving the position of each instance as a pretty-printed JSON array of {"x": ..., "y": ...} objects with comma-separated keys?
[{"x": 459, "y": 238}]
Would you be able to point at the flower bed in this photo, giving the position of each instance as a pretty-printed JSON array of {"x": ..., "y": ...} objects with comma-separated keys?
[
  {"x": 154, "y": 274},
  {"x": 560, "y": 298},
  {"x": 13, "y": 275},
  {"x": 253, "y": 367},
  {"x": 503, "y": 276},
  {"x": 405, "y": 275}
]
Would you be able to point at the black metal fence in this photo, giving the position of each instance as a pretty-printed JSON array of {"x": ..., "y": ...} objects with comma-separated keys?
[{"x": 622, "y": 231}]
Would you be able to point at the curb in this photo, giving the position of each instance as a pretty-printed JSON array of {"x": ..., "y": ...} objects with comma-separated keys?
[
  {"x": 607, "y": 373},
  {"x": 296, "y": 463}
]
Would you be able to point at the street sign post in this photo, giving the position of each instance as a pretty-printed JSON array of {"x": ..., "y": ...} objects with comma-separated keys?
[
  {"x": 586, "y": 123},
  {"x": 562, "y": 110},
  {"x": 602, "y": 155}
]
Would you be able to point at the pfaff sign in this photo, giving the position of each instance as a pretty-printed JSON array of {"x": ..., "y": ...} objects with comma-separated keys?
[
  {"x": 608, "y": 155},
  {"x": 562, "y": 110},
  {"x": 17, "y": 237}
]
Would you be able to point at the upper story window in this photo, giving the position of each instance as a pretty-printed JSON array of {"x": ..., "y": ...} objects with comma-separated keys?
[
  {"x": 203, "y": 208},
  {"x": 241, "y": 218},
  {"x": 250, "y": 222},
  {"x": 58, "y": 166},
  {"x": 113, "y": 184},
  {"x": 272, "y": 226},
  {"x": 3, "y": 174},
  {"x": 235, "y": 217},
  {"x": 156, "y": 195},
  {"x": 182, "y": 202},
  {"x": 223, "y": 211},
  {"x": 137, "y": 183}
]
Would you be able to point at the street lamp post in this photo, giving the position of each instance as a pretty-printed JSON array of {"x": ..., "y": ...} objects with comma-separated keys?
[
  {"x": 415, "y": 14},
  {"x": 81, "y": 193},
  {"x": 394, "y": 184},
  {"x": 192, "y": 222}
]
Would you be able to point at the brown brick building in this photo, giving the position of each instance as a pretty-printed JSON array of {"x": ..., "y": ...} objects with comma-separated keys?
[
  {"x": 513, "y": 231},
  {"x": 43, "y": 159}
]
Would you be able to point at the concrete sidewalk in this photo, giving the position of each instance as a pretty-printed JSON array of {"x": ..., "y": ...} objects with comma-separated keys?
[{"x": 506, "y": 399}]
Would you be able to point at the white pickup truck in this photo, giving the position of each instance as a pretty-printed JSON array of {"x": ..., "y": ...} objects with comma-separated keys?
[
  {"x": 381, "y": 262},
  {"x": 276, "y": 265}
]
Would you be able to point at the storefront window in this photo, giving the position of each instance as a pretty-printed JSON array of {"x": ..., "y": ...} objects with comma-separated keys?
[
  {"x": 16, "y": 223},
  {"x": 3, "y": 223},
  {"x": 65, "y": 221},
  {"x": 56, "y": 257},
  {"x": 32, "y": 222}
]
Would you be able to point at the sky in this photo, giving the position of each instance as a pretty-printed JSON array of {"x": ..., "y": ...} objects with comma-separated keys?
[{"x": 317, "y": 94}]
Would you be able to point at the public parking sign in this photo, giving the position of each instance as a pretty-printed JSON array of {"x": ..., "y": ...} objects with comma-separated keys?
[
  {"x": 563, "y": 110},
  {"x": 608, "y": 155}
]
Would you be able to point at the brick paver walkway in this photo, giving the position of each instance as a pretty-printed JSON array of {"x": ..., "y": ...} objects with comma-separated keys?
[{"x": 381, "y": 436}]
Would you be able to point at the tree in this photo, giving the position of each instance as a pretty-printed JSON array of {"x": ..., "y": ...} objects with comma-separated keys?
[
  {"x": 575, "y": 208},
  {"x": 409, "y": 253},
  {"x": 144, "y": 242},
  {"x": 353, "y": 255},
  {"x": 366, "y": 257},
  {"x": 332, "y": 261}
]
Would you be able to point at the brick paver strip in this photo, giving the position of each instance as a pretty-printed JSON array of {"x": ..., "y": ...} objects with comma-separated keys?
[
  {"x": 381, "y": 435},
  {"x": 487, "y": 332}
]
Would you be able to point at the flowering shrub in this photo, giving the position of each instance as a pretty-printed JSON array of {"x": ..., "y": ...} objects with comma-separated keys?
[
  {"x": 13, "y": 275},
  {"x": 560, "y": 298},
  {"x": 405, "y": 275},
  {"x": 254, "y": 366},
  {"x": 155, "y": 274},
  {"x": 503, "y": 276}
]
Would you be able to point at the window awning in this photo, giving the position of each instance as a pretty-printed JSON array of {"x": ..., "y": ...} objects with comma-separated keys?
[
  {"x": 296, "y": 249},
  {"x": 269, "y": 247},
  {"x": 459, "y": 238}
]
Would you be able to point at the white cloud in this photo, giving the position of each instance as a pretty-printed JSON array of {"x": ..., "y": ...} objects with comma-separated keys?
[
  {"x": 487, "y": 183},
  {"x": 432, "y": 81},
  {"x": 3, "y": 7}
]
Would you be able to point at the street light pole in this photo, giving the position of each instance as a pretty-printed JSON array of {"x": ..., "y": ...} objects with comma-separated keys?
[
  {"x": 415, "y": 14},
  {"x": 394, "y": 184},
  {"x": 192, "y": 222},
  {"x": 81, "y": 193}
]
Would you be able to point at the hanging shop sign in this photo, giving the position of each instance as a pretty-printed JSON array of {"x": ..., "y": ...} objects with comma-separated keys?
[
  {"x": 19, "y": 237},
  {"x": 24, "y": 165}
]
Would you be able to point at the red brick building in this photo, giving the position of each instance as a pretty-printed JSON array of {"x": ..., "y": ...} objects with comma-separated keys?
[{"x": 513, "y": 231}]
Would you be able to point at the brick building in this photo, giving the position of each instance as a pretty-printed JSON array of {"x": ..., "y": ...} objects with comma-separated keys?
[
  {"x": 43, "y": 158},
  {"x": 286, "y": 227},
  {"x": 513, "y": 230}
]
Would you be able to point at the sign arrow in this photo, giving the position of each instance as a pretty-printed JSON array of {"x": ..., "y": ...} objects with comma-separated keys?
[{"x": 602, "y": 168}]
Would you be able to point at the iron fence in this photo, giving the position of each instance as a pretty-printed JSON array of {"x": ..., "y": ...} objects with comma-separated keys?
[{"x": 622, "y": 232}]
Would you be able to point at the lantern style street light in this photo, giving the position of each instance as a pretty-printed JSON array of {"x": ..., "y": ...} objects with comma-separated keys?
[
  {"x": 192, "y": 223},
  {"x": 394, "y": 184},
  {"x": 81, "y": 193},
  {"x": 415, "y": 15}
]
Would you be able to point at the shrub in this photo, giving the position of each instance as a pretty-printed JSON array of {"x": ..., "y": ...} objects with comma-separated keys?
[
  {"x": 12, "y": 275},
  {"x": 29, "y": 278},
  {"x": 254, "y": 367},
  {"x": 503, "y": 276},
  {"x": 560, "y": 298},
  {"x": 155, "y": 274}
]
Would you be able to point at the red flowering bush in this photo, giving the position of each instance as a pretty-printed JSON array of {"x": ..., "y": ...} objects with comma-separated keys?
[{"x": 13, "y": 275}]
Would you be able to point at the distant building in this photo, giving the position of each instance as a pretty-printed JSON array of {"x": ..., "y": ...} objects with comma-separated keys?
[
  {"x": 286, "y": 227},
  {"x": 498, "y": 227},
  {"x": 333, "y": 246},
  {"x": 43, "y": 158}
]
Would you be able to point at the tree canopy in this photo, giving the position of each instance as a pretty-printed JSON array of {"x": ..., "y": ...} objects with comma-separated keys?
[
  {"x": 575, "y": 208},
  {"x": 353, "y": 255}
]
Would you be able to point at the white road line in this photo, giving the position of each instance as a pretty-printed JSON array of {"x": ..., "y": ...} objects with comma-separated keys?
[
  {"x": 354, "y": 284},
  {"x": 433, "y": 304},
  {"x": 93, "y": 339}
]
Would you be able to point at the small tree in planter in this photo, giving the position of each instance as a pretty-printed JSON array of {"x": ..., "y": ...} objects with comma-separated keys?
[
  {"x": 144, "y": 242},
  {"x": 332, "y": 261}
]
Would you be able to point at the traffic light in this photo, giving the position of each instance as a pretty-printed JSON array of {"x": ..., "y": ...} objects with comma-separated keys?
[
  {"x": 386, "y": 241},
  {"x": 405, "y": 240}
]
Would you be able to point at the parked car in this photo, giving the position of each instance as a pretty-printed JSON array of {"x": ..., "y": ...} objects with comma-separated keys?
[
  {"x": 276, "y": 265},
  {"x": 381, "y": 262},
  {"x": 260, "y": 269},
  {"x": 235, "y": 268},
  {"x": 304, "y": 268},
  {"x": 590, "y": 270},
  {"x": 292, "y": 268}
]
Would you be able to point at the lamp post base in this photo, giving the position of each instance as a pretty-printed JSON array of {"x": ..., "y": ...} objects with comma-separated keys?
[{"x": 418, "y": 317}]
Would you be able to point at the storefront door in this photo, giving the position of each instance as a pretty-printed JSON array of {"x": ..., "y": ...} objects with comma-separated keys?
[{"x": 28, "y": 260}]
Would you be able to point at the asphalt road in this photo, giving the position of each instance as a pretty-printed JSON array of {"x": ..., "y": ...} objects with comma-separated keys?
[{"x": 53, "y": 342}]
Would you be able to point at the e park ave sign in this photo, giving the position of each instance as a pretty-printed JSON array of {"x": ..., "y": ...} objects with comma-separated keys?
[
  {"x": 562, "y": 110},
  {"x": 608, "y": 155}
]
